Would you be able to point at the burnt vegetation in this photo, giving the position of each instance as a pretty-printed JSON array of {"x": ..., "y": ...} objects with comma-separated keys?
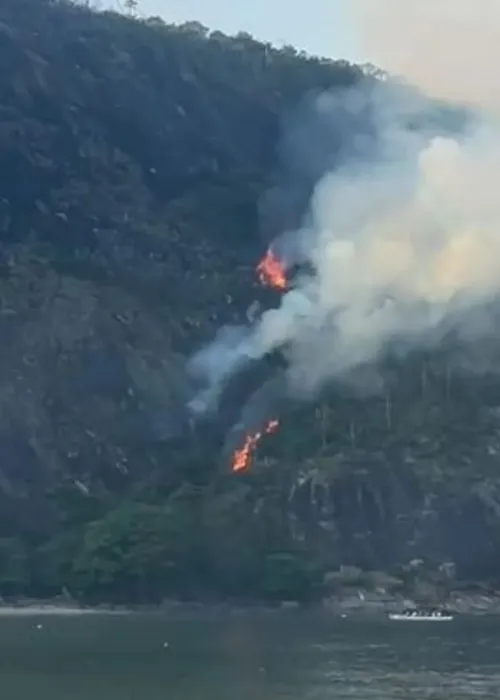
[{"x": 138, "y": 188}]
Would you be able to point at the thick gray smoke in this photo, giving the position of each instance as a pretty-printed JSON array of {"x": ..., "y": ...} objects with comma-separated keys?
[{"x": 402, "y": 247}]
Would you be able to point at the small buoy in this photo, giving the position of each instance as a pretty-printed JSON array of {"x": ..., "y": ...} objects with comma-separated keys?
[
  {"x": 39, "y": 626},
  {"x": 165, "y": 645}
]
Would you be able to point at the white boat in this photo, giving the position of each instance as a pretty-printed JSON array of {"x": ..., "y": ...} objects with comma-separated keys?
[{"x": 422, "y": 616}]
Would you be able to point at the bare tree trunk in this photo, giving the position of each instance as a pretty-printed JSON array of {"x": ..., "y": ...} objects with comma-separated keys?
[
  {"x": 388, "y": 410},
  {"x": 324, "y": 423},
  {"x": 447, "y": 379},
  {"x": 352, "y": 434},
  {"x": 423, "y": 379}
]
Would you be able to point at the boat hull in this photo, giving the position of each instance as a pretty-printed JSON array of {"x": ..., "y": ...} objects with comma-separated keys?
[{"x": 420, "y": 618}]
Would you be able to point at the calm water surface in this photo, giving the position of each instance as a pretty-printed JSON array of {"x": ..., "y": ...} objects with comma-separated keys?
[{"x": 272, "y": 656}]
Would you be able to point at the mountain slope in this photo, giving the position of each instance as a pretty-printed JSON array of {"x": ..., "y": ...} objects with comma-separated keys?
[{"x": 138, "y": 186}]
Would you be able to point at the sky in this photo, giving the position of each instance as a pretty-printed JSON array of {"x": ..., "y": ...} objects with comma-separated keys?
[{"x": 320, "y": 27}]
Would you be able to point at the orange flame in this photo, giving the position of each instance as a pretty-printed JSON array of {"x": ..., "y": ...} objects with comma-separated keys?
[
  {"x": 241, "y": 457},
  {"x": 271, "y": 272}
]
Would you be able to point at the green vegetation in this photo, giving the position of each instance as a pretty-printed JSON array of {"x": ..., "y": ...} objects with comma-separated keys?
[{"x": 133, "y": 159}]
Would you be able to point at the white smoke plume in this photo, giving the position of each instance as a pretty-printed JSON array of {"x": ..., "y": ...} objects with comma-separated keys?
[
  {"x": 448, "y": 48},
  {"x": 408, "y": 244}
]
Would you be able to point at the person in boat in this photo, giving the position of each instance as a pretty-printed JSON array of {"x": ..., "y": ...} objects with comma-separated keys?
[{"x": 412, "y": 612}]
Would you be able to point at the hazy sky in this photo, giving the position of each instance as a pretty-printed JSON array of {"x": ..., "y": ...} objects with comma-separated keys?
[{"x": 317, "y": 26}]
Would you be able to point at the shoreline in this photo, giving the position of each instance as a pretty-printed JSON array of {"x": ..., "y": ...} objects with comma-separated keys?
[
  {"x": 360, "y": 604},
  {"x": 459, "y": 603}
]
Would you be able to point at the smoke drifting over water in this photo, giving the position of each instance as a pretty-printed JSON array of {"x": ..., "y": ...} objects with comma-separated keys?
[{"x": 400, "y": 247}]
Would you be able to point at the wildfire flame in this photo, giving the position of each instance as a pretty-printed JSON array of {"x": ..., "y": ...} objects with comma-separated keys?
[
  {"x": 271, "y": 272},
  {"x": 241, "y": 457}
]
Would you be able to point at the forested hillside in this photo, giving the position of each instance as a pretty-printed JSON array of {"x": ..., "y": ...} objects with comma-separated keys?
[{"x": 143, "y": 173}]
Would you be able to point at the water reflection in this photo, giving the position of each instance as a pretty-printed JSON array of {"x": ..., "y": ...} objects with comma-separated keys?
[{"x": 279, "y": 656}]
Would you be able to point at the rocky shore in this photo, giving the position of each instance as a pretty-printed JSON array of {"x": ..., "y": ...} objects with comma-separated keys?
[
  {"x": 470, "y": 603},
  {"x": 358, "y": 604}
]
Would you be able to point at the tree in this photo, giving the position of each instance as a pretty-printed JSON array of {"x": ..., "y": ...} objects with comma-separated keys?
[
  {"x": 136, "y": 553},
  {"x": 14, "y": 567}
]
